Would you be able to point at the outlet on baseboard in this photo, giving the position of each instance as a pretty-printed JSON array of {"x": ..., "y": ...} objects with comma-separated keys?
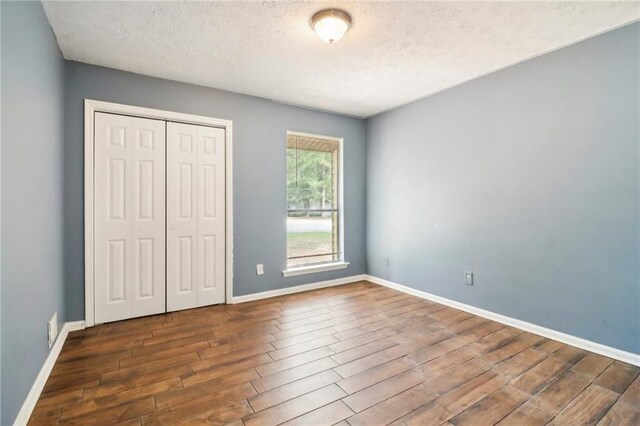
[
  {"x": 259, "y": 269},
  {"x": 52, "y": 329}
]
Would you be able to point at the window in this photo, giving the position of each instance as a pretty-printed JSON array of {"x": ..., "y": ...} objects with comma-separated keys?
[{"x": 313, "y": 200}]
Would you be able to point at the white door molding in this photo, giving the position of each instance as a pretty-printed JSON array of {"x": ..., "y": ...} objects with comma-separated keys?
[{"x": 93, "y": 106}]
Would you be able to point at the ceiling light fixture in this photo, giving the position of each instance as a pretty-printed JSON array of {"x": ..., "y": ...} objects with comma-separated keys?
[{"x": 331, "y": 24}]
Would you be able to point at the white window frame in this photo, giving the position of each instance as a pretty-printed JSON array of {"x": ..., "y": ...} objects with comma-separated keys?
[
  {"x": 336, "y": 264},
  {"x": 90, "y": 108}
]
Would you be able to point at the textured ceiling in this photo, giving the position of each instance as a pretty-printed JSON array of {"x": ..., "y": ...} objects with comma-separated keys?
[{"x": 395, "y": 52}]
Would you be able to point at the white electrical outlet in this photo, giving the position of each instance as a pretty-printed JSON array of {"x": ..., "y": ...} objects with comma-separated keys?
[
  {"x": 468, "y": 278},
  {"x": 386, "y": 261},
  {"x": 259, "y": 269},
  {"x": 52, "y": 329}
]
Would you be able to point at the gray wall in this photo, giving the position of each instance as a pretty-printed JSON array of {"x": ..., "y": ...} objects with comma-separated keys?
[
  {"x": 0, "y": 222},
  {"x": 259, "y": 172},
  {"x": 32, "y": 187},
  {"x": 0, "y": 218},
  {"x": 529, "y": 177}
]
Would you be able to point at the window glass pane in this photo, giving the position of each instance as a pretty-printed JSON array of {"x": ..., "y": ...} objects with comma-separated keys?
[
  {"x": 312, "y": 200},
  {"x": 311, "y": 238},
  {"x": 309, "y": 179}
]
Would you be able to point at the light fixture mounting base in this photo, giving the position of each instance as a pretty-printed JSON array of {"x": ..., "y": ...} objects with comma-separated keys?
[{"x": 339, "y": 13}]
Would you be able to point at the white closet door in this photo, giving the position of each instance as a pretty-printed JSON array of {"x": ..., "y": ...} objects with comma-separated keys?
[
  {"x": 195, "y": 216},
  {"x": 129, "y": 209}
]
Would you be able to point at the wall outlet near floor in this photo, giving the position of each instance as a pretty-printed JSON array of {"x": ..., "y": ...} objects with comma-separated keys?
[
  {"x": 386, "y": 261},
  {"x": 468, "y": 278},
  {"x": 52, "y": 329},
  {"x": 259, "y": 269}
]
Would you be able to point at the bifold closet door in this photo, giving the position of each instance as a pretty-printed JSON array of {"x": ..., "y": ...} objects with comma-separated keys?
[
  {"x": 129, "y": 217},
  {"x": 195, "y": 216}
]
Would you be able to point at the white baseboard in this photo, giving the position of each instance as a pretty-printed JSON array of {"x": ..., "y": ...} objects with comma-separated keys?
[
  {"x": 628, "y": 357},
  {"x": 298, "y": 289},
  {"x": 41, "y": 380}
]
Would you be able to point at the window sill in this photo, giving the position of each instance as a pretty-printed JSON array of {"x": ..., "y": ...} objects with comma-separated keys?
[{"x": 302, "y": 270}]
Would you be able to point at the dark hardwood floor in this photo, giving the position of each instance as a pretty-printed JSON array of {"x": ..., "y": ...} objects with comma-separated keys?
[{"x": 358, "y": 354}]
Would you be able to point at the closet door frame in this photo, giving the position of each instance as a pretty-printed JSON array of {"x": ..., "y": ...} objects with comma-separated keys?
[{"x": 90, "y": 108}]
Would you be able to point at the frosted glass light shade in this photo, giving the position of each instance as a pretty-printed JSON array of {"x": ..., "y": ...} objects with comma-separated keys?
[{"x": 331, "y": 25}]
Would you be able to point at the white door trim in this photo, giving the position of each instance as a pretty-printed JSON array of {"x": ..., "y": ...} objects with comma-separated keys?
[{"x": 93, "y": 106}]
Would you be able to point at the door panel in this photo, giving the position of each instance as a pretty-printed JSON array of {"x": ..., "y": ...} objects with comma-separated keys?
[
  {"x": 182, "y": 162},
  {"x": 145, "y": 268},
  {"x": 211, "y": 214},
  {"x": 195, "y": 216},
  {"x": 116, "y": 271},
  {"x": 186, "y": 264},
  {"x": 129, "y": 200},
  {"x": 148, "y": 193}
]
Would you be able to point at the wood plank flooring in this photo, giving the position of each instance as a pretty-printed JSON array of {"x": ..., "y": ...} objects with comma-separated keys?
[{"x": 358, "y": 354}]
